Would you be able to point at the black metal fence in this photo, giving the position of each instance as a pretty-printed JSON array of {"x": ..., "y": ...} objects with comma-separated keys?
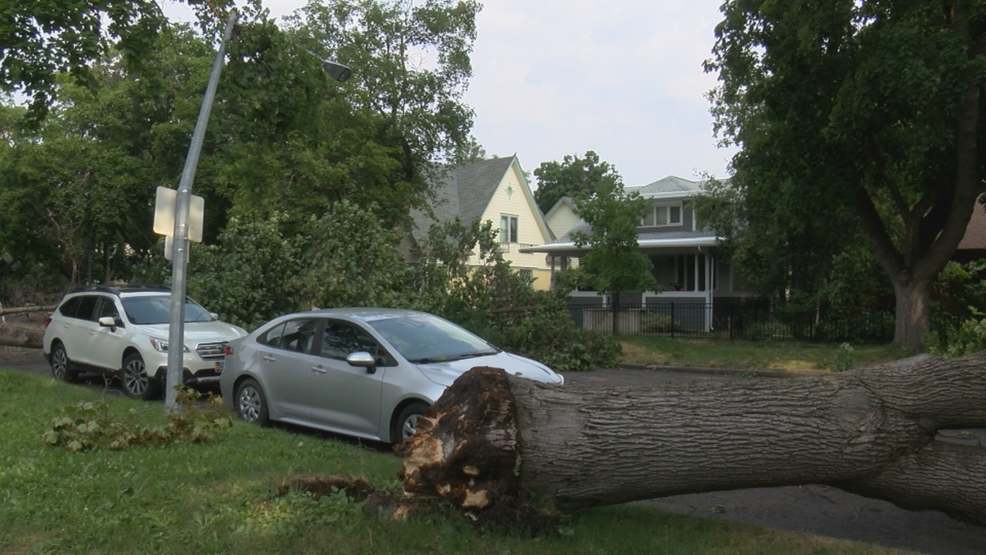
[{"x": 752, "y": 321}]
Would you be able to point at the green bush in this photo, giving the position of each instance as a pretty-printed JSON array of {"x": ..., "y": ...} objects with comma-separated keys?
[
  {"x": 653, "y": 322},
  {"x": 545, "y": 332},
  {"x": 969, "y": 338},
  {"x": 845, "y": 358},
  {"x": 495, "y": 302}
]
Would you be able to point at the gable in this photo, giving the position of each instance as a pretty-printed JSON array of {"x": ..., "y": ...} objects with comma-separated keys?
[
  {"x": 562, "y": 217},
  {"x": 462, "y": 191},
  {"x": 513, "y": 197}
]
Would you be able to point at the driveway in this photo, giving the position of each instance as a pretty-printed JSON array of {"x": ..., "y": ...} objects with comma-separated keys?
[{"x": 811, "y": 509}]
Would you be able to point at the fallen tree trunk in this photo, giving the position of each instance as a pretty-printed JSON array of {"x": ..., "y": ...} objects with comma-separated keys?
[
  {"x": 25, "y": 310},
  {"x": 21, "y": 336},
  {"x": 496, "y": 439}
]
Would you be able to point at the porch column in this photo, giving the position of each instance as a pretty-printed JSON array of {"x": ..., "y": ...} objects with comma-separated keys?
[
  {"x": 552, "y": 282},
  {"x": 709, "y": 293}
]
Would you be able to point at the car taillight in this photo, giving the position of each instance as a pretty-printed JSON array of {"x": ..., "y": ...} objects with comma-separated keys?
[
  {"x": 47, "y": 321},
  {"x": 227, "y": 350}
]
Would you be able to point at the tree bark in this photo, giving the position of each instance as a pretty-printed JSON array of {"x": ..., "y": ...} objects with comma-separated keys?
[
  {"x": 18, "y": 336},
  {"x": 496, "y": 439},
  {"x": 913, "y": 312}
]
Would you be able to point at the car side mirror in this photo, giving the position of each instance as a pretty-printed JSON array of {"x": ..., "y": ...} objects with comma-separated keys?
[
  {"x": 108, "y": 322},
  {"x": 364, "y": 360}
]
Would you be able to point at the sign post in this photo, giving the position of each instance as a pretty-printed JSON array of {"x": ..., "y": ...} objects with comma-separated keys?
[{"x": 179, "y": 255}]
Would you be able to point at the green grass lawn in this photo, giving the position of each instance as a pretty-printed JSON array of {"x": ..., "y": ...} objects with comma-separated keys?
[
  {"x": 773, "y": 355},
  {"x": 222, "y": 496}
]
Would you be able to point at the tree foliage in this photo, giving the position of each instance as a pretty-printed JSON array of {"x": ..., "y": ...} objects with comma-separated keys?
[
  {"x": 787, "y": 253},
  {"x": 42, "y": 38},
  {"x": 79, "y": 188},
  {"x": 613, "y": 261},
  {"x": 494, "y": 301},
  {"x": 571, "y": 177},
  {"x": 411, "y": 66},
  {"x": 863, "y": 113}
]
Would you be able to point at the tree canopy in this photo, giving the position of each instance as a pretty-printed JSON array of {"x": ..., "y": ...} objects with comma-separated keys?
[
  {"x": 613, "y": 262},
  {"x": 863, "y": 113},
  {"x": 41, "y": 39},
  {"x": 571, "y": 176}
]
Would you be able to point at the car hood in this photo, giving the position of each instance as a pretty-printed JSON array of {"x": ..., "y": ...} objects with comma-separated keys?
[
  {"x": 197, "y": 332},
  {"x": 444, "y": 373}
]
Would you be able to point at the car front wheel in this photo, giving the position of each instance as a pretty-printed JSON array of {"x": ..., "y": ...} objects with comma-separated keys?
[
  {"x": 136, "y": 383},
  {"x": 406, "y": 424},
  {"x": 251, "y": 404},
  {"x": 61, "y": 366}
]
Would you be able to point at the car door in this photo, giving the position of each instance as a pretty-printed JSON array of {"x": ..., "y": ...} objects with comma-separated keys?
[
  {"x": 107, "y": 343},
  {"x": 344, "y": 396},
  {"x": 77, "y": 330},
  {"x": 285, "y": 361}
]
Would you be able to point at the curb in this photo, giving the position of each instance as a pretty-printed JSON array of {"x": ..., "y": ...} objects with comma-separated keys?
[{"x": 738, "y": 372}]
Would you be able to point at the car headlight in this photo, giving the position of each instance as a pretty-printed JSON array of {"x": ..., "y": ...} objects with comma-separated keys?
[{"x": 162, "y": 345}]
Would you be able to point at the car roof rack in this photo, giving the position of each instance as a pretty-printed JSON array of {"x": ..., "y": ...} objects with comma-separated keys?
[{"x": 114, "y": 290}]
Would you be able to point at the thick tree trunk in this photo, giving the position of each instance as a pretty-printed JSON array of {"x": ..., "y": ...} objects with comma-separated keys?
[
  {"x": 496, "y": 439},
  {"x": 18, "y": 336},
  {"x": 913, "y": 321}
]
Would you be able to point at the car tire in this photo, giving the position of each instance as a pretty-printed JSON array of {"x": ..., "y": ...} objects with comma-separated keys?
[
  {"x": 136, "y": 383},
  {"x": 61, "y": 366},
  {"x": 251, "y": 403},
  {"x": 406, "y": 421}
]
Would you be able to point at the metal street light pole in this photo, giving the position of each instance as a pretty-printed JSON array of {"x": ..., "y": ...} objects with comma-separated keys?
[{"x": 179, "y": 256}]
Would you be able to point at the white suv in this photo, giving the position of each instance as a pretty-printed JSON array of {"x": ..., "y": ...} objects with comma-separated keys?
[{"x": 124, "y": 332}]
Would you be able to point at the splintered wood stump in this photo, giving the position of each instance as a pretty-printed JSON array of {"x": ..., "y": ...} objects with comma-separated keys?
[{"x": 495, "y": 439}]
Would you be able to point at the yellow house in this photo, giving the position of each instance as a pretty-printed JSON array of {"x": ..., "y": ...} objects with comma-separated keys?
[{"x": 497, "y": 191}]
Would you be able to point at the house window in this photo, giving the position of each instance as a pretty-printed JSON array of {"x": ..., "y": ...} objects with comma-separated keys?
[
  {"x": 528, "y": 275},
  {"x": 662, "y": 215},
  {"x": 508, "y": 229}
]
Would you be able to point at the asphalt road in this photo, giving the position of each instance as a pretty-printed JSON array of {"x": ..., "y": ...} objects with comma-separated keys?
[{"x": 810, "y": 509}]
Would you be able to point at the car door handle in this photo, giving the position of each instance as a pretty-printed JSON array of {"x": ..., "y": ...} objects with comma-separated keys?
[
  {"x": 319, "y": 369},
  {"x": 268, "y": 358}
]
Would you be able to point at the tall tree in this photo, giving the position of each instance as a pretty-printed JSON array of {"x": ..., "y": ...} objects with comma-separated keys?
[
  {"x": 870, "y": 106},
  {"x": 613, "y": 261},
  {"x": 568, "y": 178}
]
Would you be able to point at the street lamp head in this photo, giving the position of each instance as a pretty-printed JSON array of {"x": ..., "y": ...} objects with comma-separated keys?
[
  {"x": 338, "y": 72},
  {"x": 335, "y": 70}
]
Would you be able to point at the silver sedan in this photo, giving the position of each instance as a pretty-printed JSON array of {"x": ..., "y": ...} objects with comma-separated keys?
[{"x": 366, "y": 372}]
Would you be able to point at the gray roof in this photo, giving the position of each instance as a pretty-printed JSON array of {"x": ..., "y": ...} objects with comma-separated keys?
[
  {"x": 464, "y": 191},
  {"x": 668, "y": 185}
]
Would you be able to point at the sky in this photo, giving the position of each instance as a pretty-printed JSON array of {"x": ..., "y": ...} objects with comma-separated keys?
[{"x": 622, "y": 78}]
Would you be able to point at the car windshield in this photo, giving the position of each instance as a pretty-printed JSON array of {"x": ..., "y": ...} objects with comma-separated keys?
[
  {"x": 424, "y": 338},
  {"x": 149, "y": 310}
]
